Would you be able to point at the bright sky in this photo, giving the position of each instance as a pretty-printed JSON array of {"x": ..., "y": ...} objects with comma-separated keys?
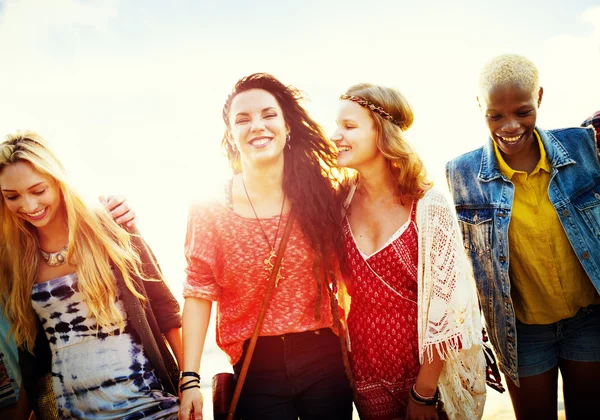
[{"x": 130, "y": 92}]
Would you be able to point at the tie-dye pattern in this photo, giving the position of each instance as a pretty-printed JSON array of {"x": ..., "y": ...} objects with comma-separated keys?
[{"x": 97, "y": 373}]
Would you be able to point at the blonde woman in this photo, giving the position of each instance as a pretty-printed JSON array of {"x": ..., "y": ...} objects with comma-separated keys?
[
  {"x": 88, "y": 307},
  {"x": 412, "y": 313}
]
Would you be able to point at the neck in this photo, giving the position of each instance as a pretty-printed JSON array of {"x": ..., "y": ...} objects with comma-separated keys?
[
  {"x": 54, "y": 236},
  {"x": 264, "y": 181},
  {"x": 527, "y": 160},
  {"x": 376, "y": 182}
]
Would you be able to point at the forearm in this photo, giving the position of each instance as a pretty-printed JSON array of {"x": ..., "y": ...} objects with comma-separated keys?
[
  {"x": 173, "y": 337},
  {"x": 429, "y": 374},
  {"x": 22, "y": 409},
  {"x": 196, "y": 316}
]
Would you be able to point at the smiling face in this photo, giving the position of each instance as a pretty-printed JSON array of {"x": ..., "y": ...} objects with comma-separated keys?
[
  {"x": 257, "y": 127},
  {"x": 355, "y": 136},
  {"x": 30, "y": 195},
  {"x": 510, "y": 114}
]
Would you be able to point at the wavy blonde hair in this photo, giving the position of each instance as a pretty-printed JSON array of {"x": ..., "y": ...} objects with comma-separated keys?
[
  {"x": 403, "y": 162},
  {"x": 95, "y": 241}
]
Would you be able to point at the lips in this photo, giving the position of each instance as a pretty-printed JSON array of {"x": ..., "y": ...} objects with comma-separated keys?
[
  {"x": 260, "y": 141},
  {"x": 343, "y": 148},
  {"x": 511, "y": 140},
  {"x": 38, "y": 215}
]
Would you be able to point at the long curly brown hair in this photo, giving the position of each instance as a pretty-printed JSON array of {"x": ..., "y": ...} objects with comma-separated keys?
[{"x": 310, "y": 173}]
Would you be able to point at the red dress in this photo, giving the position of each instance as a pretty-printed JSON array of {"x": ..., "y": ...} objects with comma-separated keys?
[{"x": 382, "y": 323}]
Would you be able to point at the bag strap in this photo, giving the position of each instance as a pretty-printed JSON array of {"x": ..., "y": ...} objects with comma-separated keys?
[{"x": 261, "y": 316}]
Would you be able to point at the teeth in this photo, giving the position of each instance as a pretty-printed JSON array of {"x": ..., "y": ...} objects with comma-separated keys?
[
  {"x": 260, "y": 142},
  {"x": 511, "y": 139},
  {"x": 37, "y": 213},
  {"x": 343, "y": 148}
]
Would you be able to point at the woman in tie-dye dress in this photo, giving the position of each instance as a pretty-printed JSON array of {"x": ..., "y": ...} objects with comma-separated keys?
[{"x": 88, "y": 306}]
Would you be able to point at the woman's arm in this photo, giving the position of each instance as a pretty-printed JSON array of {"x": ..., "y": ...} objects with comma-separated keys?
[
  {"x": 173, "y": 337},
  {"x": 426, "y": 386},
  {"x": 196, "y": 316}
]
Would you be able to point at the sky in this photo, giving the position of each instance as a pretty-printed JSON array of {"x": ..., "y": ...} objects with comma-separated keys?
[{"x": 130, "y": 93}]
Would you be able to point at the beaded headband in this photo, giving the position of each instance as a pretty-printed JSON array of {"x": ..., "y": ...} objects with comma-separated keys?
[{"x": 369, "y": 105}]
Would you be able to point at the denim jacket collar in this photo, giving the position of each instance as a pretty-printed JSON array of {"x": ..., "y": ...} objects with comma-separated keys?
[{"x": 557, "y": 156}]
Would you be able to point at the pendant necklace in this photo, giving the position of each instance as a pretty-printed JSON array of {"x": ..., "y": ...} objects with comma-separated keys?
[
  {"x": 268, "y": 262},
  {"x": 55, "y": 259}
]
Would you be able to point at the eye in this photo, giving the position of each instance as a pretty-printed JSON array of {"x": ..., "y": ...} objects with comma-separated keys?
[
  {"x": 40, "y": 192},
  {"x": 350, "y": 127},
  {"x": 524, "y": 113},
  {"x": 242, "y": 121},
  {"x": 270, "y": 115},
  {"x": 11, "y": 198},
  {"x": 493, "y": 117}
]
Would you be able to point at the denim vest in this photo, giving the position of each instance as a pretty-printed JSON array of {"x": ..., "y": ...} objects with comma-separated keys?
[{"x": 484, "y": 198}]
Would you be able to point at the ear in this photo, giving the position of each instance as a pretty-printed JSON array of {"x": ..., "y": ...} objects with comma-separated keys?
[
  {"x": 540, "y": 94},
  {"x": 229, "y": 138},
  {"x": 479, "y": 103},
  {"x": 287, "y": 129}
]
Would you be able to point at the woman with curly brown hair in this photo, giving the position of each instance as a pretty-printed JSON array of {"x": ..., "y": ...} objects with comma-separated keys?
[{"x": 282, "y": 163}]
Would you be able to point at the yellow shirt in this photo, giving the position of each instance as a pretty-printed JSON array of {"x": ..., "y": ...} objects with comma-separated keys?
[{"x": 547, "y": 281}]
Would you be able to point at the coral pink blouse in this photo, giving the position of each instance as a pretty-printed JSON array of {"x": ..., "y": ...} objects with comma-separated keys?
[{"x": 225, "y": 254}]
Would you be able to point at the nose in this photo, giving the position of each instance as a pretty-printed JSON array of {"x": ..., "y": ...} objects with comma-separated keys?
[
  {"x": 257, "y": 125},
  {"x": 336, "y": 136},
  {"x": 29, "y": 204},
  {"x": 511, "y": 125}
]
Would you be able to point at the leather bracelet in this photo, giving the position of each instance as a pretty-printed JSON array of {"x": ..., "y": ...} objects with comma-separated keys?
[
  {"x": 192, "y": 383},
  {"x": 189, "y": 373}
]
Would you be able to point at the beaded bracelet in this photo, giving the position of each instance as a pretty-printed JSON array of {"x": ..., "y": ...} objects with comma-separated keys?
[{"x": 421, "y": 400}]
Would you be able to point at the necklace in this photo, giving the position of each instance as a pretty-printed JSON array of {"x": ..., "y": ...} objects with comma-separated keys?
[
  {"x": 54, "y": 259},
  {"x": 268, "y": 262}
]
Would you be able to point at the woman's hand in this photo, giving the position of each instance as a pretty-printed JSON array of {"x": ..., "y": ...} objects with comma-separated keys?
[
  {"x": 416, "y": 411},
  {"x": 190, "y": 404},
  {"x": 119, "y": 210}
]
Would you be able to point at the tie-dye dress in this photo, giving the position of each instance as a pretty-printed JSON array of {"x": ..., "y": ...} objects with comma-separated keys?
[{"x": 97, "y": 374}]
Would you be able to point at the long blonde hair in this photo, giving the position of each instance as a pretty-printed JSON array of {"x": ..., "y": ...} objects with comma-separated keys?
[
  {"x": 95, "y": 241},
  {"x": 403, "y": 162}
]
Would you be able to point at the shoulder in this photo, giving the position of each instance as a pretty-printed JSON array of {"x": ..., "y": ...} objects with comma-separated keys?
[
  {"x": 570, "y": 134},
  {"x": 433, "y": 202},
  {"x": 579, "y": 143},
  {"x": 466, "y": 160},
  {"x": 207, "y": 211}
]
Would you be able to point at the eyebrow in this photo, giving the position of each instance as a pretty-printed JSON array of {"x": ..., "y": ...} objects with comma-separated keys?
[
  {"x": 30, "y": 188},
  {"x": 262, "y": 110}
]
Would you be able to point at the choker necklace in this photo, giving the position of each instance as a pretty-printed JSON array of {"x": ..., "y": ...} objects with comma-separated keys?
[
  {"x": 268, "y": 262},
  {"x": 55, "y": 259}
]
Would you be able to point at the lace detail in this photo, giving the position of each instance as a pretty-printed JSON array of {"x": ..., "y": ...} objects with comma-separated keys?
[{"x": 449, "y": 318}]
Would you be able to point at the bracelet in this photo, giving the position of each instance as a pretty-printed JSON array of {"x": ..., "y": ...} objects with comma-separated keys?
[
  {"x": 421, "y": 400},
  {"x": 189, "y": 373},
  {"x": 192, "y": 383}
]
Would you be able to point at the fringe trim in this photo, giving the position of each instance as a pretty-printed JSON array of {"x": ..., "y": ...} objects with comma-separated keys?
[{"x": 462, "y": 388}]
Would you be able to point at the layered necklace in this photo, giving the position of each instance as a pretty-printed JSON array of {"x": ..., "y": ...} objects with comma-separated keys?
[
  {"x": 268, "y": 262},
  {"x": 55, "y": 259}
]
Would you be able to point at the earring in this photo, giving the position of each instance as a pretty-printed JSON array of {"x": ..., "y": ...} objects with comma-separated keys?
[{"x": 288, "y": 140}]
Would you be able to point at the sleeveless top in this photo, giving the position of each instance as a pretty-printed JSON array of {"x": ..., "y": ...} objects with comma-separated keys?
[{"x": 382, "y": 323}]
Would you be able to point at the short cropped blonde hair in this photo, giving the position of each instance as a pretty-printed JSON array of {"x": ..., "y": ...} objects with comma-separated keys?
[{"x": 509, "y": 69}]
